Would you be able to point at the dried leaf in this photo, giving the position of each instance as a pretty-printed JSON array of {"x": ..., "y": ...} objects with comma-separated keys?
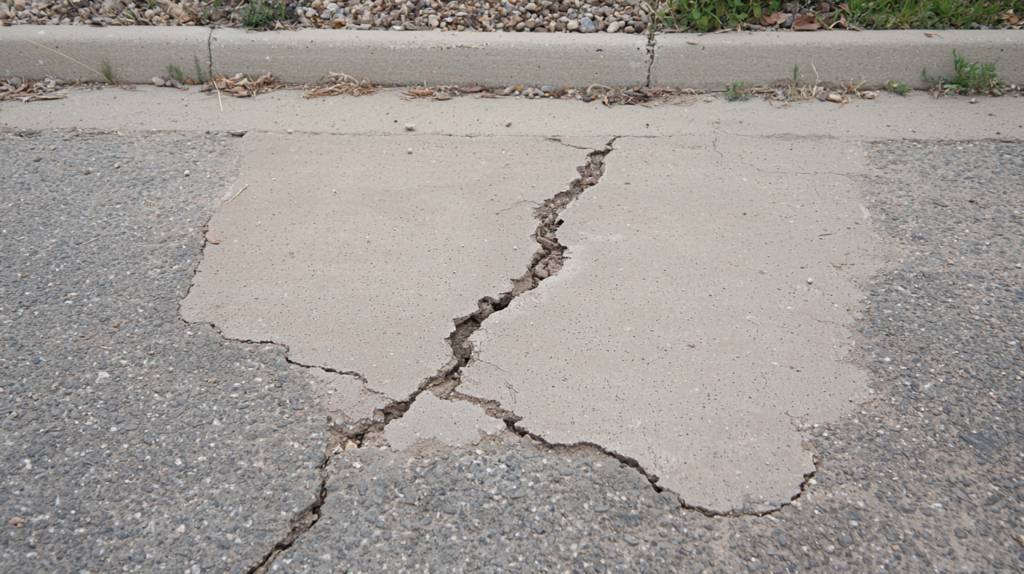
[
  {"x": 806, "y": 22},
  {"x": 472, "y": 89},
  {"x": 773, "y": 19}
]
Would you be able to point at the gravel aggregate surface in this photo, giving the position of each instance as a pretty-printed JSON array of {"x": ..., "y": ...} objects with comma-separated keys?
[
  {"x": 132, "y": 441},
  {"x": 199, "y": 456}
]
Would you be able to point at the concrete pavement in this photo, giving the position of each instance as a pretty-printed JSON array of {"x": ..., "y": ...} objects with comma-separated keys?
[{"x": 682, "y": 248}]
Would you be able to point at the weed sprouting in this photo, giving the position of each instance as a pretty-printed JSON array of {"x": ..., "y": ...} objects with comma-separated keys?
[
  {"x": 737, "y": 92},
  {"x": 108, "y": 72},
  {"x": 176, "y": 73},
  {"x": 970, "y": 77},
  {"x": 897, "y": 87},
  {"x": 200, "y": 75}
]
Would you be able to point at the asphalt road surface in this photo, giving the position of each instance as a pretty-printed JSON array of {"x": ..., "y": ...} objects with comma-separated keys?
[{"x": 133, "y": 441}]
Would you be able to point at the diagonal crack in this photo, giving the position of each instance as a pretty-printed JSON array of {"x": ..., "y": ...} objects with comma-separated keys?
[{"x": 547, "y": 261}]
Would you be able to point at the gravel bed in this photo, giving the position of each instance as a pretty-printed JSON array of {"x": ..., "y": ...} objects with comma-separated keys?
[{"x": 586, "y": 16}]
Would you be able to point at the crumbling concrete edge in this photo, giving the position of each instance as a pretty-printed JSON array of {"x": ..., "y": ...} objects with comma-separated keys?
[{"x": 696, "y": 61}]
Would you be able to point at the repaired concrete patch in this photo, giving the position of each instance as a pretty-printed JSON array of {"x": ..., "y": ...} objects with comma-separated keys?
[
  {"x": 454, "y": 423},
  {"x": 701, "y": 316},
  {"x": 358, "y": 252}
]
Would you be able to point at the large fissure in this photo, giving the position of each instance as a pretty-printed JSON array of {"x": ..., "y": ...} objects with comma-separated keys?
[{"x": 546, "y": 262}]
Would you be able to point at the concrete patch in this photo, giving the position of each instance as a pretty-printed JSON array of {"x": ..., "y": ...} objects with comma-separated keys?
[
  {"x": 454, "y": 423},
  {"x": 358, "y": 255},
  {"x": 700, "y": 318}
]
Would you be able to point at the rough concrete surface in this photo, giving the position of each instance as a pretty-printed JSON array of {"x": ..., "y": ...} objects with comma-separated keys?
[
  {"x": 415, "y": 58},
  {"x": 359, "y": 255},
  {"x": 453, "y": 423},
  {"x": 711, "y": 61},
  {"x": 702, "y": 317}
]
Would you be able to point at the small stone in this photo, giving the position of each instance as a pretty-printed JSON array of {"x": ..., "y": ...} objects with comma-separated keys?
[
  {"x": 350, "y": 445},
  {"x": 573, "y": 25},
  {"x": 37, "y": 159},
  {"x": 548, "y": 89},
  {"x": 509, "y": 124},
  {"x": 614, "y": 27},
  {"x": 16, "y": 522},
  {"x": 180, "y": 529},
  {"x": 410, "y": 127},
  {"x": 187, "y": 173},
  {"x": 86, "y": 171},
  {"x": 409, "y": 151},
  {"x": 810, "y": 280},
  {"x": 869, "y": 95},
  {"x": 333, "y": 7},
  {"x": 158, "y": 82},
  {"x": 531, "y": 7},
  {"x": 19, "y": 5},
  {"x": 587, "y": 26}
]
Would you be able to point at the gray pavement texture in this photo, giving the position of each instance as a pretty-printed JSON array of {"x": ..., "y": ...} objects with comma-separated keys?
[{"x": 210, "y": 455}]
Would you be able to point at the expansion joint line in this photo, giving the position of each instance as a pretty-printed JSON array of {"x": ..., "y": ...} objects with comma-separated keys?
[{"x": 651, "y": 48}]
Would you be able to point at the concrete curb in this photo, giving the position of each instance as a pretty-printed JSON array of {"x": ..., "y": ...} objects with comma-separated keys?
[
  {"x": 706, "y": 62},
  {"x": 409, "y": 58},
  {"x": 712, "y": 61},
  {"x": 135, "y": 54}
]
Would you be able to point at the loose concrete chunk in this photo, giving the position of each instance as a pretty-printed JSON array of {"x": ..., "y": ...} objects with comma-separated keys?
[
  {"x": 682, "y": 331},
  {"x": 358, "y": 256},
  {"x": 454, "y": 423},
  {"x": 344, "y": 397}
]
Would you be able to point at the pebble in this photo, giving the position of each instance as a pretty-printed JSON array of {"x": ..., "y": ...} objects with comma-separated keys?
[
  {"x": 410, "y": 127},
  {"x": 587, "y": 26},
  {"x": 159, "y": 82}
]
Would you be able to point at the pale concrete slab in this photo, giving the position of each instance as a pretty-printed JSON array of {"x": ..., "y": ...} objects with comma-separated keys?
[
  {"x": 135, "y": 53},
  {"x": 452, "y": 423},
  {"x": 445, "y": 58},
  {"x": 358, "y": 255},
  {"x": 711, "y": 61},
  {"x": 702, "y": 316}
]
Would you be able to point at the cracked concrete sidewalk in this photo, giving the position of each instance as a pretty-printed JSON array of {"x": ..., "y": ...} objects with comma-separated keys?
[{"x": 674, "y": 286}]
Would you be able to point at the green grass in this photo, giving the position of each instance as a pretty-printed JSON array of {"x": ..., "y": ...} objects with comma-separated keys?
[
  {"x": 176, "y": 73},
  {"x": 200, "y": 75},
  {"x": 897, "y": 87},
  {"x": 108, "y": 72},
  {"x": 930, "y": 14},
  {"x": 970, "y": 77},
  {"x": 737, "y": 92},
  {"x": 258, "y": 14},
  {"x": 711, "y": 15}
]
